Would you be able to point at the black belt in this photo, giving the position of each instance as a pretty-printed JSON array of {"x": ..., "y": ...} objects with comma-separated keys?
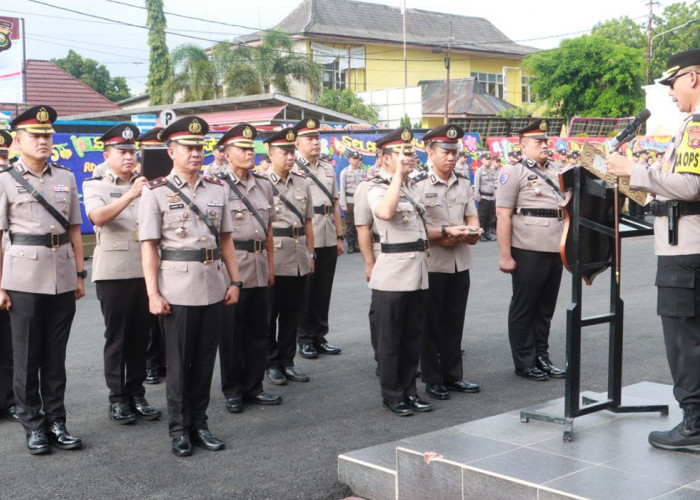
[
  {"x": 376, "y": 238},
  {"x": 661, "y": 208},
  {"x": 256, "y": 246},
  {"x": 482, "y": 193},
  {"x": 323, "y": 210},
  {"x": 548, "y": 213},
  {"x": 201, "y": 255},
  {"x": 51, "y": 240},
  {"x": 413, "y": 246},
  {"x": 290, "y": 232}
]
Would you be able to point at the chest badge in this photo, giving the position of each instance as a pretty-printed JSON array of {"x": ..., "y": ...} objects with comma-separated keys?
[{"x": 180, "y": 232}]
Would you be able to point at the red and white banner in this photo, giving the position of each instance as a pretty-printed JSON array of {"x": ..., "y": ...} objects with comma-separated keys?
[{"x": 11, "y": 60}]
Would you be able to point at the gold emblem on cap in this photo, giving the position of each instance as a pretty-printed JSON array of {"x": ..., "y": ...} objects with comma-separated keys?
[
  {"x": 127, "y": 134},
  {"x": 247, "y": 133},
  {"x": 451, "y": 133},
  {"x": 158, "y": 135},
  {"x": 406, "y": 135},
  {"x": 290, "y": 135},
  {"x": 310, "y": 123},
  {"x": 42, "y": 115},
  {"x": 2, "y": 141},
  {"x": 195, "y": 127},
  {"x": 543, "y": 126}
]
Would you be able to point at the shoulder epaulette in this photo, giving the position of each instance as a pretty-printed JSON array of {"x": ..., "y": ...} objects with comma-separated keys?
[
  {"x": 420, "y": 177},
  {"x": 220, "y": 175},
  {"x": 260, "y": 175},
  {"x": 300, "y": 174},
  {"x": 6, "y": 168},
  {"x": 160, "y": 181},
  {"x": 60, "y": 166},
  {"x": 461, "y": 175},
  {"x": 96, "y": 178},
  {"x": 213, "y": 180},
  {"x": 380, "y": 180}
]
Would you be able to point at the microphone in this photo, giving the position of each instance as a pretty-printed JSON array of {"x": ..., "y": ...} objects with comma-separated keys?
[{"x": 628, "y": 132}]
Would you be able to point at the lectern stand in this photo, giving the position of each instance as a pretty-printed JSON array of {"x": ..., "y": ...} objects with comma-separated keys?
[{"x": 590, "y": 251}]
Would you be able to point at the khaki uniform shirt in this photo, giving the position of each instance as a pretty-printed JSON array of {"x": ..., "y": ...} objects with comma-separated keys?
[
  {"x": 164, "y": 216},
  {"x": 485, "y": 183},
  {"x": 214, "y": 168},
  {"x": 661, "y": 180},
  {"x": 325, "y": 234},
  {"x": 253, "y": 266},
  {"x": 363, "y": 213},
  {"x": 519, "y": 187},
  {"x": 291, "y": 254},
  {"x": 447, "y": 203},
  {"x": 33, "y": 268},
  {"x": 405, "y": 271},
  {"x": 350, "y": 178},
  {"x": 462, "y": 168},
  {"x": 101, "y": 169},
  {"x": 118, "y": 251}
]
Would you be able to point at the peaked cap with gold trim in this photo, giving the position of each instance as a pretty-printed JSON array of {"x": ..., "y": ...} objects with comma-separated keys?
[
  {"x": 677, "y": 62},
  {"x": 241, "y": 135},
  {"x": 36, "y": 120},
  {"x": 152, "y": 137},
  {"x": 122, "y": 136},
  {"x": 188, "y": 131},
  {"x": 282, "y": 139},
  {"x": 397, "y": 139},
  {"x": 307, "y": 126},
  {"x": 5, "y": 141},
  {"x": 535, "y": 130},
  {"x": 446, "y": 136}
]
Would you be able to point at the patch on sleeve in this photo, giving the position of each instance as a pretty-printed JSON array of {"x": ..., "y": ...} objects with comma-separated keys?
[{"x": 503, "y": 178}]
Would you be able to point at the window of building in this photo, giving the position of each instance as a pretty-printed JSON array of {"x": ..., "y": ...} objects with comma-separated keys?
[
  {"x": 493, "y": 83},
  {"x": 526, "y": 91},
  {"x": 333, "y": 77}
]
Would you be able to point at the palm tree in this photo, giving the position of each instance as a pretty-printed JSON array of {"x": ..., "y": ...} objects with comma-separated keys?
[{"x": 196, "y": 77}]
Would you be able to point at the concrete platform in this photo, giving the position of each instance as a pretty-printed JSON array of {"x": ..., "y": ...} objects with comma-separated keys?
[{"x": 500, "y": 457}]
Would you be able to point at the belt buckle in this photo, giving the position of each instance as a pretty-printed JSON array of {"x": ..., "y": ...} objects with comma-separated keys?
[
  {"x": 208, "y": 256},
  {"x": 560, "y": 213},
  {"x": 296, "y": 232},
  {"x": 257, "y": 246},
  {"x": 327, "y": 210},
  {"x": 425, "y": 244},
  {"x": 55, "y": 240}
]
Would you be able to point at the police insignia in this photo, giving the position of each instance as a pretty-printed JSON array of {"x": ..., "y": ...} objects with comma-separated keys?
[
  {"x": 406, "y": 135},
  {"x": 290, "y": 135},
  {"x": 127, "y": 134},
  {"x": 42, "y": 115},
  {"x": 195, "y": 127},
  {"x": 247, "y": 133},
  {"x": 2, "y": 141},
  {"x": 310, "y": 124},
  {"x": 503, "y": 178},
  {"x": 543, "y": 125},
  {"x": 451, "y": 133}
]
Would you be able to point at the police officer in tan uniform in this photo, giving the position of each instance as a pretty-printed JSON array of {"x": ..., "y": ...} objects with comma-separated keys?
[
  {"x": 42, "y": 271},
  {"x": 7, "y": 397},
  {"x": 185, "y": 216},
  {"x": 529, "y": 233},
  {"x": 111, "y": 204},
  {"x": 399, "y": 280},
  {"x": 453, "y": 226},
  {"x": 350, "y": 178},
  {"x": 219, "y": 165},
  {"x": 461, "y": 167},
  {"x": 293, "y": 233},
  {"x": 485, "y": 194},
  {"x": 515, "y": 155},
  {"x": 243, "y": 345},
  {"x": 675, "y": 180},
  {"x": 328, "y": 238}
]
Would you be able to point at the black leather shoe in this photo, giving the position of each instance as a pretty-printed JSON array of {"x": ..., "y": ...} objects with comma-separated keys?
[
  {"x": 152, "y": 376},
  {"x": 275, "y": 376},
  {"x": 401, "y": 409},
  {"x": 532, "y": 374},
  {"x": 121, "y": 413},
  {"x": 60, "y": 437},
  {"x": 417, "y": 404},
  {"x": 38, "y": 443},
  {"x": 545, "y": 365},
  {"x": 204, "y": 439},
  {"x": 144, "y": 410},
  {"x": 182, "y": 446},
  {"x": 325, "y": 348},
  {"x": 265, "y": 398},
  {"x": 11, "y": 414},
  {"x": 462, "y": 386},
  {"x": 308, "y": 351},
  {"x": 437, "y": 391},
  {"x": 295, "y": 375},
  {"x": 234, "y": 405}
]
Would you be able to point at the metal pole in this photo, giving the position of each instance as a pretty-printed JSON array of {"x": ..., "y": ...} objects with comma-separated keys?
[
  {"x": 447, "y": 66},
  {"x": 651, "y": 6},
  {"x": 24, "y": 64},
  {"x": 405, "y": 61}
]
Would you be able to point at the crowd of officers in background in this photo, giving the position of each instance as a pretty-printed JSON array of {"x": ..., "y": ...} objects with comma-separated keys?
[{"x": 175, "y": 254}]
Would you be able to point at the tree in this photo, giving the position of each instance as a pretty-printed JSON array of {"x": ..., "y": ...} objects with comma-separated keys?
[
  {"x": 160, "y": 71},
  {"x": 196, "y": 74},
  {"x": 94, "y": 75},
  {"x": 589, "y": 76},
  {"x": 684, "y": 38},
  {"x": 347, "y": 102},
  {"x": 622, "y": 31}
]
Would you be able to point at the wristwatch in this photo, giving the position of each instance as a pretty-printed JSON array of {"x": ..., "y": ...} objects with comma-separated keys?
[
  {"x": 239, "y": 284},
  {"x": 312, "y": 256},
  {"x": 82, "y": 274},
  {"x": 444, "y": 231},
  {"x": 340, "y": 237}
]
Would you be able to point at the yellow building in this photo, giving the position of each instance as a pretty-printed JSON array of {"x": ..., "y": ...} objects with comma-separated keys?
[{"x": 367, "y": 46}]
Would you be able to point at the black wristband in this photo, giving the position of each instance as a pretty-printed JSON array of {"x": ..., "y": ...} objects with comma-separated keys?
[
  {"x": 444, "y": 231},
  {"x": 82, "y": 274},
  {"x": 340, "y": 237},
  {"x": 239, "y": 284}
]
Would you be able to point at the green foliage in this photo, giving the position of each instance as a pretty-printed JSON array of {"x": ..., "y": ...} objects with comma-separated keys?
[
  {"x": 687, "y": 37},
  {"x": 405, "y": 121},
  {"x": 523, "y": 111},
  {"x": 622, "y": 31},
  {"x": 195, "y": 75},
  {"x": 589, "y": 76},
  {"x": 160, "y": 70},
  {"x": 94, "y": 75},
  {"x": 347, "y": 102}
]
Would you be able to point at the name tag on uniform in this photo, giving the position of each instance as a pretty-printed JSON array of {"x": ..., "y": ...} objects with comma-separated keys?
[
  {"x": 431, "y": 195},
  {"x": 61, "y": 189},
  {"x": 115, "y": 195},
  {"x": 532, "y": 177},
  {"x": 177, "y": 205},
  {"x": 20, "y": 189},
  {"x": 215, "y": 204},
  {"x": 234, "y": 197}
]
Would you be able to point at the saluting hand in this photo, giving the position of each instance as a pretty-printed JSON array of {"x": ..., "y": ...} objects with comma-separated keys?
[{"x": 5, "y": 302}]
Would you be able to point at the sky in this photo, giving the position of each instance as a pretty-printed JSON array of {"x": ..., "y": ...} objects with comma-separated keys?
[{"x": 51, "y": 32}]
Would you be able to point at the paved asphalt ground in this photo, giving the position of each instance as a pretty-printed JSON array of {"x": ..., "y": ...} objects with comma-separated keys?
[{"x": 290, "y": 451}]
